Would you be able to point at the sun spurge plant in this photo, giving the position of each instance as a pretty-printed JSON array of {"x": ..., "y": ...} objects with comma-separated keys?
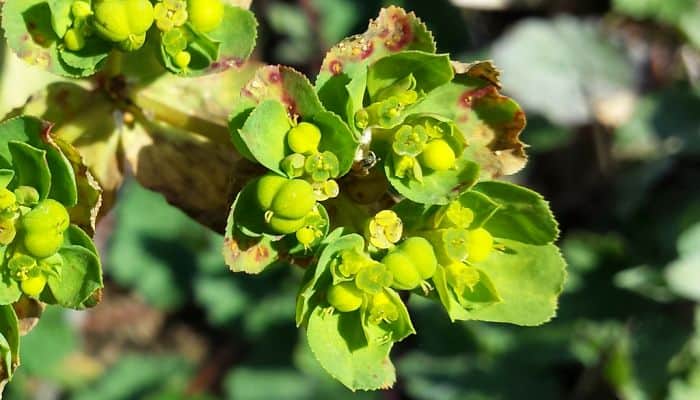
[
  {"x": 47, "y": 202},
  {"x": 75, "y": 38},
  {"x": 380, "y": 182}
]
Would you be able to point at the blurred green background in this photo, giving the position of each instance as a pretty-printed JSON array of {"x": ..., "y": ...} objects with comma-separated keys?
[{"x": 611, "y": 93}]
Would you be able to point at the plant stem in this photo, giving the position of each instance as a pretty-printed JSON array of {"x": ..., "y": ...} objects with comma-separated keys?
[{"x": 161, "y": 112}]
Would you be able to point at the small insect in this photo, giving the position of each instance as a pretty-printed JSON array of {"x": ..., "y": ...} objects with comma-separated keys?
[{"x": 365, "y": 159}]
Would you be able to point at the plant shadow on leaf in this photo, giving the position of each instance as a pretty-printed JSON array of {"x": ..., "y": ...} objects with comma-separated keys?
[{"x": 37, "y": 19}]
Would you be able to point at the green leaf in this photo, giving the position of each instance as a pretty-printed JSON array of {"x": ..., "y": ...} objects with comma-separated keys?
[
  {"x": 437, "y": 187},
  {"x": 237, "y": 35},
  {"x": 29, "y": 29},
  {"x": 336, "y": 138},
  {"x": 90, "y": 58},
  {"x": 78, "y": 237},
  {"x": 482, "y": 206},
  {"x": 36, "y": 133},
  {"x": 318, "y": 277},
  {"x": 338, "y": 343},
  {"x": 529, "y": 280},
  {"x": 9, "y": 345},
  {"x": 80, "y": 277},
  {"x": 31, "y": 166},
  {"x": 429, "y": 70},
  {"x": 6, "y": 176},
  {"x": 264, "y": 134},
  {"x": 60, "y": 15},
  {"x": 523, "y": 214}
]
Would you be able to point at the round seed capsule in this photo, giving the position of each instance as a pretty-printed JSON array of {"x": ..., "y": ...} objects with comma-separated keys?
[
  {"x": 406, "y": 276},
  {"x": 182, "y": 59},
  {"x": 48, "y": 215},
  {"x": 294, "y": 199},
  {"x": 74, "y": 40},
  {"x": 479, "y": 245},
  {"x": 205, "y": 15},
  {"x": 285, "y": 226},
  {"x": 345, "y": 297},
  {"x": 33, "y": 286},
  {"x": 438, "y": 155},
  {"x": 118, "y": 20},
  {"x": 421, "y": 253},
  {"x": 43, "y": 244},
  {"x": 304, "y": 138}
]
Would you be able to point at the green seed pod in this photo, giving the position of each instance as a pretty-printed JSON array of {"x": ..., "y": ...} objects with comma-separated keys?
[
  {"x": 345, "y": 297},
  {"x": 80, "y": 9},
  {"x": 421, "y": 253},
  {"x": 182, "y": 59},
  {"x": 306, "y": 236},
  {"x": 267, "y": 189},
  {"x": 74, "y": 40},
  {"x": 293, "y": 200},
  {"x": 304, "y": 138},
  {"x": 285, "y": 226},
  {"x": 382, "y": 309},
  {"x": 33, "y": 286},
  {"x": 373, "y": 278},
  {"x": 205, "y": 15},
  {"x": 43, "y": 244},
  {"x": 438, "y": 156},
  {"x": 406, "y": 276},
  {"x": 123, "y": 21},
  {"x": 7, "y": 231},
  {"x": 479, "y": 245},
  {"x": 48, "y": 216}
]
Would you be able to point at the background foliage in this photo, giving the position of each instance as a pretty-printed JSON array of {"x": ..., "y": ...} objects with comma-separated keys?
[{"x": 610, "y": 89}]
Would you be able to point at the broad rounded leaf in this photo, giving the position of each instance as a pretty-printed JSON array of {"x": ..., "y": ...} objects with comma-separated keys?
[
  {"x": 339, "y": 344},
  {"x": 529, "y": 279},
  {"x": 80, "y": 277},
  {"x": 429, "y": 70}
]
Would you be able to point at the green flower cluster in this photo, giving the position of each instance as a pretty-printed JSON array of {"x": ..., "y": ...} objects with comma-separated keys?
[
  {"x": 401, "y": 144},
  {"x": 33, "y": 232}
]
